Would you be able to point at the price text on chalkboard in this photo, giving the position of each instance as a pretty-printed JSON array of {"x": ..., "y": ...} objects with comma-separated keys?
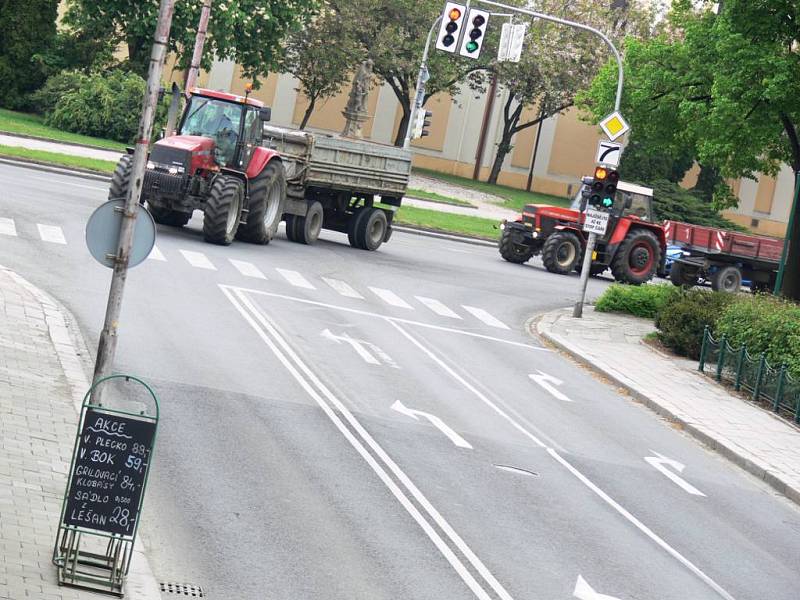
[{"x": 109, "y": 474}]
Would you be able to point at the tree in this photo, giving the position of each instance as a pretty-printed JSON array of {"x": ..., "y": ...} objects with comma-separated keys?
[
  {"x": 28, "y": 28},
  {"x": 249, "y": 31},
  {"x": 557, "y": 62},
  {"x": 728, "y": 84},
  {"x": 320, "y": 59},
  {"x": 392, "y": 33}
]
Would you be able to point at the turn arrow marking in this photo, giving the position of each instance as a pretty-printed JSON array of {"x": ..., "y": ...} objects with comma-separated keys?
[
  {"x": 583, "y": 591},
  {"x": 360, "y": 346},
  {"x": 435, "y": 421},
  {"x": 661, "y": 462},
  {"x": 548, "y": 382}
]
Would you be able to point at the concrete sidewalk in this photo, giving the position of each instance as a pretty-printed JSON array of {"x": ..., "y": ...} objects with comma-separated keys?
[
  {"x": 755, "y": 439},
  {"x": 32, "y": 143},
  {"x": 42, "y": 383}
]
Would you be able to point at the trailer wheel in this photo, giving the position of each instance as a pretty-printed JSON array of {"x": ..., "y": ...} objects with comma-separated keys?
[
  {"x": 512, "y": 252},
  {"x": 267, "y": 199},
  {"x": 371, "y": 229},
  {"x": 353, "y": 225},
  {"x": 306, "y": 229},
  {"x": 290, "y": 228},
  {"x": 727, "y": 279},
  {"x": 561, "y": 252},
  {"x": 637, "y": 258},
  {"x": 223, "y": 210},
  {"x": 594, "y": 270},
  {"x": 681, "y": 275},
  {"x": 165, "y": 216}
]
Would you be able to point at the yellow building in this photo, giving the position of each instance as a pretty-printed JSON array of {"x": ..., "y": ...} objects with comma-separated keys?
[{"x": 565, "y": 152}]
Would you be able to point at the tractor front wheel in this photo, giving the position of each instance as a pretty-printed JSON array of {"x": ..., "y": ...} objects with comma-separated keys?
[
  {"x": 637, "y": 258},
  {"x": 121, "y": 179},
  {"x": 223, "y": 210},
  {"x": 513, "y": 252},
  {"x": 561, "y": 252}
]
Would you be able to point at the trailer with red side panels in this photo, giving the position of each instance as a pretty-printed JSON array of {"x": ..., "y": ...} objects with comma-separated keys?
[{"x": 723, "y": 257}]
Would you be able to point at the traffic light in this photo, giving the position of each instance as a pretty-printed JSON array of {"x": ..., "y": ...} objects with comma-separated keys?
[
  {"x": 477, "y": 22},
  {"x": 450, "y": 29},
  {"x": 421, "y": 122},
  {"x": 603, "y": 188}
]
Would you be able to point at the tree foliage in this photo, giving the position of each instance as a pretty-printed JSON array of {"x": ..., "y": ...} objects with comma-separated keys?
[
  {"x": 249, "y": 31},
  {"x": 27, "y": 28},
  {"x": 320, "y": 59},
  {"x": 726, "y": 86}
]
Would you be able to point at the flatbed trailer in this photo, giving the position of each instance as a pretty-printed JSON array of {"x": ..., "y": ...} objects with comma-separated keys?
[{"x": 723, "y": 257}]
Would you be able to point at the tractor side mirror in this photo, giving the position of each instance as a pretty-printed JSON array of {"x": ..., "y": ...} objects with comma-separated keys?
[{"x": 265, "y": 114}]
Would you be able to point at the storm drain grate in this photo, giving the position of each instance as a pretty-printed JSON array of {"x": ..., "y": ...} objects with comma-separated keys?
[{"x": 182, "y": 589}]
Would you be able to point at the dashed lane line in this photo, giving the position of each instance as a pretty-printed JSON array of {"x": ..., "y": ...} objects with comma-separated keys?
[
  {"x": 198, "y": 260},
  {"x": 296, "y": 279},
  {"x": 247, "y": 269},
  {"x": 7, "y": 226},
  {"x": 51, "y": 233},
  {"x": 156, "y": 254},
  {"x": 485, "y": 317},
  {"x": 342, "y": 288},
  {"x": 391, "y": 298},
  {"x": 437, "y": 307}
]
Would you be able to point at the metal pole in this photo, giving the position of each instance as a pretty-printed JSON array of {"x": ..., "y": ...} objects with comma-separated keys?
[
  {"x": 199, "y": 42},
  {"x": 422, "y": 77},
  {"x": 788, "y": 238},
  {"x": 108, "y": 337},
  {"x": 577, "y": 312}
]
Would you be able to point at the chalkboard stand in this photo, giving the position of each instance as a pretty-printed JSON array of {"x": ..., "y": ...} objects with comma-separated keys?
[{"x": 103, "y": 499}]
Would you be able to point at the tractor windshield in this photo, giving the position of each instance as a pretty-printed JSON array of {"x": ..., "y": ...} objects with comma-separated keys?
[
  {"x": 627, "y": 202},
  {"x": 215, "y": 119}
]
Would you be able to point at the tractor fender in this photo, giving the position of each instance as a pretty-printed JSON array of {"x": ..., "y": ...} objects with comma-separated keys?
[
  {"x": 577, "y": 231},
  {"x": 624, "y": 226},
  {"x": 261, "y": 156}
]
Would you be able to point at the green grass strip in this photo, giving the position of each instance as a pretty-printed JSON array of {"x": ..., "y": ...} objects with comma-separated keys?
[
  {"x": 32, "y": 125},
  {"x": 434, "y": 197},
  {"x": 447, "y": 222},
  {"x": 61, "y": 160}
]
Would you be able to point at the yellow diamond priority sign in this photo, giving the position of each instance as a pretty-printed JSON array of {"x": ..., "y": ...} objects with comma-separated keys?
[{"x": 614, "y": 126}]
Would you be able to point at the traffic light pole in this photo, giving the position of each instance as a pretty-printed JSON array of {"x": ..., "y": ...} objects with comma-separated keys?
[{"x": 422, "y": 77}]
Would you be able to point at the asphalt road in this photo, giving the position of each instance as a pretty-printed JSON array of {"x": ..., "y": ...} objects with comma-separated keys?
[{"x": 342, "y": 424}]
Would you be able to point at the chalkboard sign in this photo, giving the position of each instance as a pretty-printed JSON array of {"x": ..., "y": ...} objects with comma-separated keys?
[{"x": 109, "y": 473}]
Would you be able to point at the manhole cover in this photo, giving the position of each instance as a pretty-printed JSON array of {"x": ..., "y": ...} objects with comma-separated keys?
[{"x": 182, "y": 589}]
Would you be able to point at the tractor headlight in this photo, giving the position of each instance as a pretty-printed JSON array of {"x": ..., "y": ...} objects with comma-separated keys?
[{"x": 151, "y": 165}]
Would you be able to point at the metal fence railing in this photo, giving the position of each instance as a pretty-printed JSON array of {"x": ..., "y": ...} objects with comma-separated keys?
[{"x": 753, "y": 374}]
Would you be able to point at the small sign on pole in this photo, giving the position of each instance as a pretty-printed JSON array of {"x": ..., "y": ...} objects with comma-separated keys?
[
  {"x": 512, "y": 39},
  {"x": 595, "y": 221},
  {"x": 608, "y": 153},
  {"x": 614, "y": 126}
]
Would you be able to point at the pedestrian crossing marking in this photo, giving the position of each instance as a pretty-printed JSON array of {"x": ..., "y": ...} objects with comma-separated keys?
[
  {"x": 7, "y": 226},
  {"x": 51, "y": 233},
  {"x": 342, "y": 288},
  {"x": 485, "y": 317},
  {"x": 247, "y": 269},
  {"x": 390, "y": 298},
  {"x": 156, "y": 254},
  {"x": 438, "y": 307},
  {"x": 198, "y": 260},
  {"x": 296, "y": 279}
]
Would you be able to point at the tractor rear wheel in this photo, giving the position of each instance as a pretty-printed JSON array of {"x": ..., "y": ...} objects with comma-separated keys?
[
  {"x": 637, "y": 257},
  {"x": 512, "y": 252},
  {"x": 267, "y": 200},
  {"x": 223, "y": 210},
  {"x": 306, "y": 229},
  {"x": 561, "y": 252}
]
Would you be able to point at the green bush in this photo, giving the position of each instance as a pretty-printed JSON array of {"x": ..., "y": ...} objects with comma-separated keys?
[
  {"x": 764, "y": 324},
  {"x": 686, "y": 314},
  {"x": 639, "y": 300},
  {"x": 43, "y": 101},
  {"x": 102, "y": 105}
]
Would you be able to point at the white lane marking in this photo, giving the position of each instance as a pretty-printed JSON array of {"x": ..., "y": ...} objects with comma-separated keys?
[
  {"x": 342, "y": 288},
  {"x": 69, "y": 183},
  {"x": 548, "y": 382},
  {"x": 388, "y": 318},
  {"x": 156, "y": 254},
  {"x": 437, "y": 307},
  {"x": 296, "y": 279},
  {"x": 7, "y": 226},
  {"x": 258, "y": 321},
  {"x": 51, "y": 233},
  {"x": 198, "y": 260},
  {"x": 247, "y": 269},
  {"x": 435, "y": 421},
  {"x": 580, "y": 476},
  {"x": 583, "y": 591},
  {"x": 661, "y": 462},
  {"x": 355, "y": 344},
  {"x": 485, "y": 317},
  {"x": 390, "y": 298}
]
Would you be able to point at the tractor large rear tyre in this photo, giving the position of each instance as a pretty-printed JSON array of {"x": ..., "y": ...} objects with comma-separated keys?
[
  {"x": 121, "y": 178},
  {"x": 561, "y": 252},
  {"x": 512, "y": 252},
  {"x": 223, "y": 210},
  {"x": 267, "y": 201},
  {"x": 637, "y": 258}
]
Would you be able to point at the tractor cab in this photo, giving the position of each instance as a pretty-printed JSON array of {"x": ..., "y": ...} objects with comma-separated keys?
[{"x": 631, "y": 200}]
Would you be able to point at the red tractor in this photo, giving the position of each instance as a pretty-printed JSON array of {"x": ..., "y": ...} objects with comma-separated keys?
[
  {"x": 216, "y": 164},
  {"x": 634, "y": 247}
]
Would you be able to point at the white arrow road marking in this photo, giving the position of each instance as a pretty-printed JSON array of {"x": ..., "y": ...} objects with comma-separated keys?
[
  {"x": 548, "y": 382},
  {"x": 661, "y": 462},
  {"x": 356, "y": 345},
  {"x": 583, "y": 591},
  {"x": 435, "y": 421}
]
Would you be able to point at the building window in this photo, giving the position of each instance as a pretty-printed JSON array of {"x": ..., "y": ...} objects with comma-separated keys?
[{"x": 754, "y": 222}]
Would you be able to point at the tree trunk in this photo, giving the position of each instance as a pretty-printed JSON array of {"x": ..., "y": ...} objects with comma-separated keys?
[
  {"x": 503, "y": 148},
  {"x": 707, "y": 181},
  {"x": 791, "y": 276},
  {"x": 400, "y": 137},
  {"x": 308, "y": 113},
  {"x": 139, "y": 55}
]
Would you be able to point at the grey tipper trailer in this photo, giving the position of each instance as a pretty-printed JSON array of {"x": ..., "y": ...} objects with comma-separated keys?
[{"x": 335, "y": 183}]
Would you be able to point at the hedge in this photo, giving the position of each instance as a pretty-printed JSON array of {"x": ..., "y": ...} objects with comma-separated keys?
[
  {"x": 639, "y": 300},
  {"x": 685, "y": 316}
]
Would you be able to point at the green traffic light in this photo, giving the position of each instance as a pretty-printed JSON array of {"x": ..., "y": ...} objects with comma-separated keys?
[
  {"x": 471, "y": 46},
  {"x": 607, "y": 202}
]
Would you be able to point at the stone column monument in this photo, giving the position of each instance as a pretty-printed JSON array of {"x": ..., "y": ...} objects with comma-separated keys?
[{"x": 356, "y": 110}]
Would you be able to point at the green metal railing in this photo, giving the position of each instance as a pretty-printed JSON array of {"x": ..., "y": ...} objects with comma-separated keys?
[{"x": 752, "y": 374}]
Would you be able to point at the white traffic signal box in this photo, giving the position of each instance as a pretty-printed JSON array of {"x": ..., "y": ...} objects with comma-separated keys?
[
  {"x": 474, "y": 33},
  {"x": 450, "y": 30}
]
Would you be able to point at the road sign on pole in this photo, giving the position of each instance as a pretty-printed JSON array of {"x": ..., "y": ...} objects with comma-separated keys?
[
  {"x": 615, "y": 126},
  {"x": 512, "y": 38},
  {"x": 608, "y": 153}
]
